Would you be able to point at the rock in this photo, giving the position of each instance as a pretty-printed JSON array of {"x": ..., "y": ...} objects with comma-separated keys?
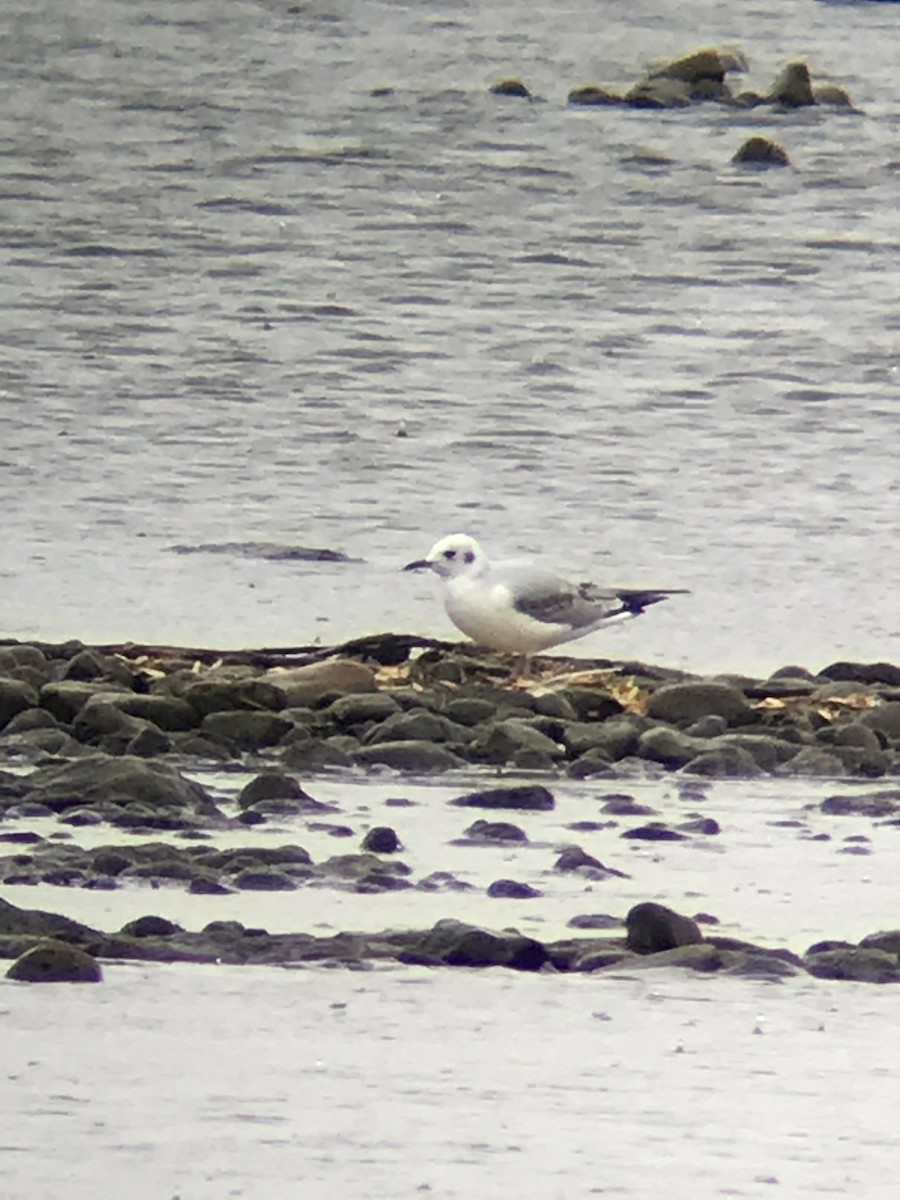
[
  {"x": 412, "y": 757},
  {"x": 724, "y": 762},
  {"x": 671, "y": 747},
  {"x": 593, "y": 763},
  {"x": 811, "y": 762},
  {"x": 866, "y": 673},
  {"x": 693, "y": 957},
  {"x": 653, "y": 928},
  {"x": 55, "y": 962},
  {"x": 831, "y": 94},
  {"x": 148, "y": 742},
  {"x": 15, "y": 697},
  {"x": 682, "y": 703},
  {"x": 654, "y": 831},
  {"x": 592, "y": 94},
  {"x": 492, "y": 833},
  {"x": 459, "y": 945},
  {"x": 884, "y": 718},
  {"x": 574, "y": 858},
  {"x": 711, "y": 726},
  {"x": 243, "y": 730},
  {"x": 593, "y": 921},
  {"x": 30, "y": 718},
  {"x": 18, "y": 656},
  {"x": 862, "y": 964},
  {"x": 66, "y": 698},
  {"x": 470, "y": 710},
  {"x": 889, "y": 941},
  {"x": 99, "y": 778},
  {"x": 615, "y": 738},
  {"x": 761, "y": 152},
  {"x": 313, "y": 755},
  {"x": 276, "y": 786},
  {"x": 510, "y": 889},
  {"x": 617, "y": 804},
  {"x": 99, "y": 719},
  {"x": 511, "y": 87},
  {"x": 591, "y": 704},
  {"x": 505, "y": 741},
  {"x": 150, "y": 927},
  {"x": 304, "y": 685},
  {"x": 659, "y": 92},
  {"x": 268, "y": 880},
  {"x": 871, "y": 804},
  {"x": 166, "y": 712},
  {"x": 793, "y": 87},
  {"x": 417, "y": 725},
  {"x": 767, "y": 751},
  {"x": 708, "y": 62},
  {"x": 524, "y": 798},
  {"x": 349, "y": 712},
  {"x": 229, "y": 695},
  {"x": 36, "y": 923},
  {"x": 381, "y": 839}
]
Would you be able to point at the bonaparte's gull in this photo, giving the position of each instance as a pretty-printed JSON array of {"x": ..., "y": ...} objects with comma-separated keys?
[{"x": 520, "y": 607}]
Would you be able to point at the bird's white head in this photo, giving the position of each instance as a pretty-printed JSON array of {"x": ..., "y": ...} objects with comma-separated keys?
[{"x": 457, "y": 554}]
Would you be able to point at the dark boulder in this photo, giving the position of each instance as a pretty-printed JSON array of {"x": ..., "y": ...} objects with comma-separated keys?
[
  {"x": 511, "y": 889},
  {"x": 459, "y": 945},
  {"x": 55, "y": 962},
  {"x": 381, "y": 839},
  {"x": 523, "y": 798},
  {"x": 653, "y": 928},
  {"x": 682, "y": 703},
  {"x": 100, "y": 778},
  {"x": 408, "y": 756}
]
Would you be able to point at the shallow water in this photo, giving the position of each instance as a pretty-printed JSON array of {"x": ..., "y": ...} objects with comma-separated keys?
[
  {"x": 780, "y": 872},
  {"x": 232, "y": 272},
  {"x": 209, "y": 1082}
]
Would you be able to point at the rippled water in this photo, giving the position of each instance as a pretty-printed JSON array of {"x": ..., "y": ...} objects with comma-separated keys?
[{"x": 231, "y": 272}]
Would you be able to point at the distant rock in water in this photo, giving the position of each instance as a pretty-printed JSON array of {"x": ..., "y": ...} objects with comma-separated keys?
[
  {"x": 271, "y": 551},
  {"x": 593, "y": 94},
  {"x": 762, "y": 152},
  {"x": 793, "y": 87},
  {"x": 510, "y": 87}
]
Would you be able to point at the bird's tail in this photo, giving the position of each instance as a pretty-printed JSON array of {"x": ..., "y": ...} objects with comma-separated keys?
[{"x": 634, "y": 602}]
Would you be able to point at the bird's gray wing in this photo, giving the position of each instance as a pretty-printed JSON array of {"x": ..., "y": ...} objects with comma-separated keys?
[{"x": 545, "y": 596}]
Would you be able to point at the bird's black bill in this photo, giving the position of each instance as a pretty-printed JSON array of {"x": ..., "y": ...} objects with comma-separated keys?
[{"x": 421, "y": 564}]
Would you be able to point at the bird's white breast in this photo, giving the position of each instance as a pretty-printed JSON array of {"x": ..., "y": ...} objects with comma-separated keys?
[{"x": 485, "y": 613}]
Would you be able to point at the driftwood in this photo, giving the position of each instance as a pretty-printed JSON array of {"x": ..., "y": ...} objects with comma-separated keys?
[{"x": 386, "y": 649}]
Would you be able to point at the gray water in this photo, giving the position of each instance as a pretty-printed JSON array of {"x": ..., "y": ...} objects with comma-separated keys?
[
  {"x": 230, "y": 273},
  {"x": 230, "y": 276}
]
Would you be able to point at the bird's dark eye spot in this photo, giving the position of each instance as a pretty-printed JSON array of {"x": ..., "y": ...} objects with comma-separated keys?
[
  {"x": 469, "y": 556},
  {"x": 449, "y": 554}
]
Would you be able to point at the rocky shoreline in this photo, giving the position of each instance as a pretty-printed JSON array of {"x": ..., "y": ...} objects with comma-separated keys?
[
  {"x": 388, "y": 704},
  {"x": 48, "y": 947},
  {"x": 101, "y": 737}
]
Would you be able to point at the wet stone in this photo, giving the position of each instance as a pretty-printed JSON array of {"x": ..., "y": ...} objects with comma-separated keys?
[
  {"x": 381, "y": 840},
  {"x": 510, "y": 889},
  {"x": 492, "y": 833},
  {"x": 653, "y": 927},
  {"x": 524, "y": 798}
]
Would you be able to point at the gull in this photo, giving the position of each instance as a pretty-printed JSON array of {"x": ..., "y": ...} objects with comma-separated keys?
[{"x": 519, "y": 606}]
